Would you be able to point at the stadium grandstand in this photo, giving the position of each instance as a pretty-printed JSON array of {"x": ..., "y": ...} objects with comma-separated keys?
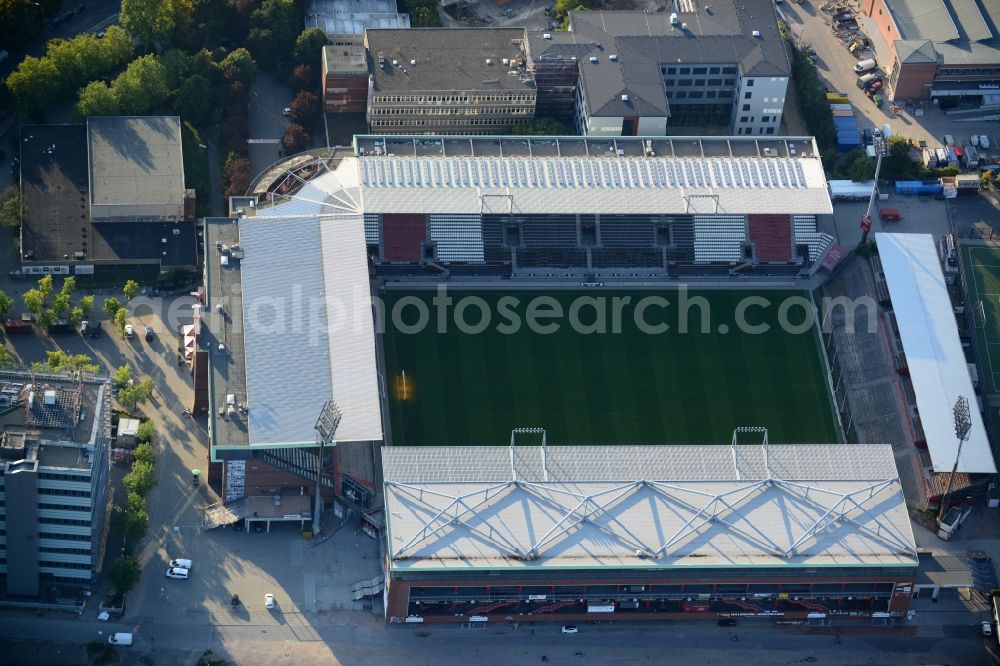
[
  {"x": 582, "y": 533},
  {"x": 574, "y": 206}
]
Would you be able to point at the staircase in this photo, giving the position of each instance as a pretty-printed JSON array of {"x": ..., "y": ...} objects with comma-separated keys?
[
  {"x": 485, "y": 610},
  {"x": 809, "y": 605},
  {"x": 301, "y": 462},
  {"x": 551, "y": 608}
]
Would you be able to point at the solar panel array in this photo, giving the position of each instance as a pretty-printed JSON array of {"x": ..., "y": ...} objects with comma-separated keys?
[{"x": 578, "y": 173}]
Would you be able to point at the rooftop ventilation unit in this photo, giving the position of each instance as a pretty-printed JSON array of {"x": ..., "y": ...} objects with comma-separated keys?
[
  {"x": 50, "y": 397},
  {"x": 489, "y": 61},
  {"x": 413, "y": 62},
  {"x": 547, "y": 35},
  {"x": 395, "y": 63},
  {"x": 684, "y": 26}
]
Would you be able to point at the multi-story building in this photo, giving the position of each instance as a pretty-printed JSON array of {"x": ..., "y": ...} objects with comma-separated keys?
[
  {"x": 107, "y": 195},
  {"x": 345, "y": 75},
  {"x": 54, "y": 451},
  {"x": 699, "y": 67},
  {"x": 462, "y": 81},
  {"x": 351, "y": 17},
  {"x": 945, "y": 49}
]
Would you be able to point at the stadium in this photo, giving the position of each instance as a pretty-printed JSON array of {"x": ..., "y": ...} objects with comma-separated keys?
[{"x": 417, "y": 303}]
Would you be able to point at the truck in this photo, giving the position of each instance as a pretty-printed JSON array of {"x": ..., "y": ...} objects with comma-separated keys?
[
  {"x": 970, "y": 158},
  {"x": 17, "y": 327}
]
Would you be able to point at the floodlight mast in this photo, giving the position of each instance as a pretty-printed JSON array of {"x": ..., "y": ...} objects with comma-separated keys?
[
  {"x": 963, "y": 424},
  {"x": 326, "y": 428}
]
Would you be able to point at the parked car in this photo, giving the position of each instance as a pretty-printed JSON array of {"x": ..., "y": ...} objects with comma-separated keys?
[
  {"x": 727, "y": 622},
  {"x": 181, "y": 564},
  {"x": 986, "y": 628},
  {"x": 865, "y": 65},
  {"x": 129, "y": 331},
  {"x": 178, "y": 573},
  {"x": 287, "y": 111},
  {"x": 269, "y": 601},
  {"x": 569, "y": 629},
  {"x": 147, "y": 333},
  {"x": 120, "y": 639}
]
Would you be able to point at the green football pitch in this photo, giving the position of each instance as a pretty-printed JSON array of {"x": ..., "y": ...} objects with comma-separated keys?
[
  {"x": 448, "y": 387},
  {"x": 982, "y": 266}
]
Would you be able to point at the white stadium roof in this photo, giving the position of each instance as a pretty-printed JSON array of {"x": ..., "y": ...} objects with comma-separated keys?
[
  {"x": 808, "y": 505},
  {"x": 934, "y": 354},
  {"x": 604, "y": 185},
  {"x": 308, "y": 330}
]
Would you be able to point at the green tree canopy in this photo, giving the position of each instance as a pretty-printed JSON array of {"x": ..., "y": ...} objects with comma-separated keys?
[
  {"x": 35, "y": 84},
  {"x": 122, "y": 376},
  {"x": 96, "y": 99},
  {"x": 131, "y": 290},
  {"x": 142, "y": 86},
  {"x": 87, "y": 304},
  {"x": 111, "y": 306},
  {"x": 10, "y": 207},
  {"x": 145, "y": 453},
  {"x": 124, "y": 574},
  {"x": 60, "y": 361},
  {"x": 6, "y": 303},
  {"x": 34, "y": 300},
  {"x": 146, "y": 433},
  {"x": 239, "y": 66},
  {"x": 309, "y": 47},
  {"x": 121, "y": 319},
  {"x": 154, "y": 22},
  {"x": 141, "y": 478},
  {"x": 194, "y": 100}
]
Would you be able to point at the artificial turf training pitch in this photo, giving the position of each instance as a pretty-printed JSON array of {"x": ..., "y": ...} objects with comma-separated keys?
[{"x": 632, "y": 387}]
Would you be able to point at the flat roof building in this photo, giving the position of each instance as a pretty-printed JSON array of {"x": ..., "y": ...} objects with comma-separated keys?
[
  {"x": 640, "y": 73},
  {"x": 338, "y": 18},
  {"x": 54, "y": 448},
  {"x": 458, "y": 81},
  {"x": 486, "y": 534},
  {"x": 106, "y": 194},
  {"x": 345, "y": 75},
  {"x": 945, "y": 49}
]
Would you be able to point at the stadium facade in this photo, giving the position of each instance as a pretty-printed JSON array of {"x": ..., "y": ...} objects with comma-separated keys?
[{"x": 576, "y": 533}]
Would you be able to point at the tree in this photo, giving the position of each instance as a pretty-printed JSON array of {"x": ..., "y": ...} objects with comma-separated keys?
[
  {"x": 234, "y": 134},
  {"x": 239, "y": 66},
  {"x": 153, "y": 21},
  {"x": 543, "y": 127},
  {"x": 140, "y": 479},
  {"x": 111, "y": 306},
  {"x": 122, "y": 376},
  {"x": 22, "y": 20},
  {"x": 45, "y": 319},
  {"x": 860, "y": 167},
  {"x": 34, "y": 300},
  {"x": 295, "y": 139},
  {"x": 145, "y": 452},
  {"x": 7, "y": 360},
  {"x": 10, "y": 208},
  {"x": 45, "y": 286},
  {"x": 136, "y": 517},
  {"x": 96, "y": 99},
  {"x": 87, "y": 305},
  {"x": 142, "y": 86},
  {"x": 124, "y": 574},
  {"x": 76, "y": 316},
  {"x": 237, "y": 175},
  {"x": 194, "y": 100},
  {"x": 132, "y": 396},
  {"x": 121, "y": 320},
  {"x": 6, "y": 303},
  {"x": 301, "y": 78},
  {"x": 309, "y": 47},
  {"x": 305, "y": 108},
  {"x": 274, "y": 26},
  {"x": 35, "y": 84},
  {"x": 131, "y": 290},
  {"x": 68, "y": 286},
  {"x": 60, "y": 361},
  {"x": 61, "y": 305},
  {"x": 146, "y": 434}
]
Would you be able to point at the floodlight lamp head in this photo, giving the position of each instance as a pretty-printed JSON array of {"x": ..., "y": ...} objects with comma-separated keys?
[
  {"x": 963, "y": 419},
  {"x": 328, "y": 421}
]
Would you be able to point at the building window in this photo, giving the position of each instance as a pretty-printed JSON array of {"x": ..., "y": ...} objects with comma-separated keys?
[
  {"x": 770, "y": 130},
  {"x": 671, "y": 70},
  {"x": 746, "y": 107},
  {"x": 685, "y": 70},
  {"x": 744, "y": 119},
  {"x": 725, "y": 93},
  {"x": 699, "y": 82},
  {"x": 682, "y": 94},
  {"x": 684, "y": 83},
  {"x": 748, "y": 95},
  {"x": 715, "y": 82},
  {"x": 765, "y": 119},
  {"x": 710, "y": 94},
  {"x": 668, "y": 82},
  {"x": 728, "y": 70},
  {"x": 696, "y": 94},
  {"x": 700, "y": 70},
  {"x": 749, "y": 83},
  {"x": 713, "y": 70}
]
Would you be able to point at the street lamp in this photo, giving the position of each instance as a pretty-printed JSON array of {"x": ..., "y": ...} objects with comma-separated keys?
[
  {"x": 963, "y": 424},
  {"x": 878, "y": 143}
]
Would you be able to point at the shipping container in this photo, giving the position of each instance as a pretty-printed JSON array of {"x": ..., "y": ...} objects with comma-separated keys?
[{"x": 918, "y": 187}]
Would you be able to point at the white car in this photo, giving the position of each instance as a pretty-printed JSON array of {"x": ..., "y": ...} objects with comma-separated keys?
[
  {"x": 287, "y": 111},
  {"x": 178, "y": 573},
  {"x": 269, "y": 601},
  {"x": 129, "y": 331},
  {"x": 180, "y": 564},
  {"x": 569, "y": 629},
  {"x": 986, "y": 628}
]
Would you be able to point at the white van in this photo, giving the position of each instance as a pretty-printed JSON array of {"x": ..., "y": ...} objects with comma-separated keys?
[
  {"x": 180, "y": 564},
  {"x": 178, "y": 573},
  {"x": 865, "y": 66},
  {"x": 120, "y": 639}
]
